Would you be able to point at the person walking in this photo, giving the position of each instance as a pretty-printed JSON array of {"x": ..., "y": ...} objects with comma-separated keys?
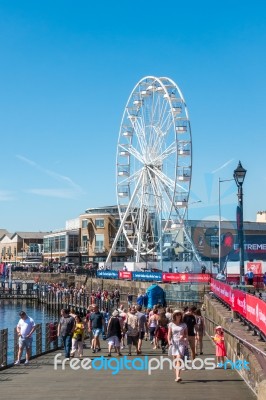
[
  {"x": 114, "y": 333},
  {"x": 132, "y": 328},
  {"x": 190, "y": 320},
  {"x": 153, "y": 323},
  {"x": 96, "y": 325},
  {"x": 78, "y": 337},
  {"x": 66, "y": 328},
  {"x": 199, "y": 331},
  {"x": 117, "y": 297},
  {"x": 161, "y": 333},
  {"x": 129, "y": 299},
  {"x": 177, "y": 339},
  {"x": 25, "y": 328},
  {"x": 143, "y": 326}
]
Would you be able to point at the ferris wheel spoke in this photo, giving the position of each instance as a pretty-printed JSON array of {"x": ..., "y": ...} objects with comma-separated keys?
[
  {"x": 140, "y": 132},
  {"x": 130, "y": 179},
  {"x": 167, "y": 152},
  {"x": 163, "y": 178},
  {"x": 132, "y": 151},
  {"x": 166, "y": 123},
  {"x": 162, "y": 111}
]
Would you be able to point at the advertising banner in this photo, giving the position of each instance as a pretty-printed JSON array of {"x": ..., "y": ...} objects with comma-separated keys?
[
  {"x": 222, "y": 290},
  {"x": 255, "y": 267},
  {"x": 256, "y": 312},
  {"x": 177, "y": 277},
  {"x": 107, "y": 274},
  {"x": 147, "y": 276},
  {"x": 125, "y": 275},
  {"x": 251, "y": 307},
  {"x": 239, "y": 302}
]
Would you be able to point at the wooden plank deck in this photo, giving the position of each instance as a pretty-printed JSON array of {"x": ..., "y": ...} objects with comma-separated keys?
[{"x": 40, "y": 380}]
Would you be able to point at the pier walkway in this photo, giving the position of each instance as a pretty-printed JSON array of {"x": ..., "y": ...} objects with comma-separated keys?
[{"x": 39, "y": 380}]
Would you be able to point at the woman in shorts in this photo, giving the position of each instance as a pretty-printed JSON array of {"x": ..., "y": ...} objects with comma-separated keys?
[{"x": 114, "y": 333}]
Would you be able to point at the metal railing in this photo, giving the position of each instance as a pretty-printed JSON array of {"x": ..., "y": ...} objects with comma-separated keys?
[
  {"x": 258, "y": 353},
  {"x": 44, "y": 340}
]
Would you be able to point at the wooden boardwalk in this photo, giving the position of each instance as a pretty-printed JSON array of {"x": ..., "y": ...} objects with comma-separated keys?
[{"x": 41, "y": 381}]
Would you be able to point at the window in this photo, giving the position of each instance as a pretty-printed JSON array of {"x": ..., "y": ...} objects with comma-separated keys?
[
  {"x": 99, "y": 243},
  {"x": 73, "y": 243},
  {"x": 99, "y": 223},
  {"x": 84, "y": 223},
  {"x": 84, "y": 241}
]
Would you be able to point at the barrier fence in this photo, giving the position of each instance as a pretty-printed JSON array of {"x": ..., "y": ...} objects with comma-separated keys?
[
  {"x": 44, "y": 340},
  {"x": 252, "y": 308},
  {"x": 154, "y": 276}
]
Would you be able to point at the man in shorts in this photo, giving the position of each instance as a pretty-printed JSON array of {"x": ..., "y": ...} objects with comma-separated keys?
[
  {"x": 96, "y": 325},
  {"x": 132, "y": 327},
  {"x": 143, "y": 326},
  {"x": 25, "y": 328}
]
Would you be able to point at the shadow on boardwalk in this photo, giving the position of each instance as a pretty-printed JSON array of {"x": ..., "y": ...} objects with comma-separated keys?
[{"x": 41, "y": 381}]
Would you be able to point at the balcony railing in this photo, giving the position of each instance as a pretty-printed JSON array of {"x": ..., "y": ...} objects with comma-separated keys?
[
  {"x": 120, "y": 249},
  {"x": 29, "y": 254},
  {"x": 99, "y": 249},
  {"x": 83, "y": 249}
]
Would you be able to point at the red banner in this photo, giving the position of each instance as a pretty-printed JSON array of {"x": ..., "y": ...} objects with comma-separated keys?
[
  {"x": 255, "y": 267},
  {"x": 125, "y": 275},
  {"x": 251, "y": 307},
  {"x": 256, "y": 312},
  {"x": 222, "y": 290},
  {"x": 239, "y": 302},
  {"x": 177, "y": 277},
  {"x": 2, "y": 268}
]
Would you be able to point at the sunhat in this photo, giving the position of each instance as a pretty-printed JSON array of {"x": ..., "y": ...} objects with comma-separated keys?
[
  {"x": 218, "y": 327},
  {"x": 115, "y": 313},
  {"x": 177, "y": 312}
]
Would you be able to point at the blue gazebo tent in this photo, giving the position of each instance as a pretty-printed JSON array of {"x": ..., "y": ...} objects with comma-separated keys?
[{"x": 156, "y": 295}]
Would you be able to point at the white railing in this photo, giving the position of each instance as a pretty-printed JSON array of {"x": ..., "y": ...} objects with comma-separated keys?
[{"x": 99, "y": 249}]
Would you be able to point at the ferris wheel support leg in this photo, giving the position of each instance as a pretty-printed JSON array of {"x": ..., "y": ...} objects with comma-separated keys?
[
  {"x": 108, "y": 259},
  {"x": 194, "y": 249}
]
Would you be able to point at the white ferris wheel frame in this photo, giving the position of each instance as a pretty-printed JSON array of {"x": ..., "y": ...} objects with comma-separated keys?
[{"x": 153, "y": 183}]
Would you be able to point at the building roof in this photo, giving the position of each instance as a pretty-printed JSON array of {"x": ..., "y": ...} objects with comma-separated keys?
[
  {"x": 4, "y": 232},
  {"x": 102, "y": 210},
  {"x": 30, "y": 235}
]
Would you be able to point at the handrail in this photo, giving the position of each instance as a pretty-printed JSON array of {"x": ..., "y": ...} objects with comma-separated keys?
[
  {"x": 258, "y": 353},
  {"x": 243, "y": 341}
]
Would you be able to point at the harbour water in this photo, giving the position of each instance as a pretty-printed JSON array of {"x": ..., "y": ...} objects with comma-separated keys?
[
  {"x": 9, "y": 313},
  {"x": 9, "y": 317}
]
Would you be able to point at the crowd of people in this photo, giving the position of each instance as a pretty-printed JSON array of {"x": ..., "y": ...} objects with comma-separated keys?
[{"x": 180, "y": 332}]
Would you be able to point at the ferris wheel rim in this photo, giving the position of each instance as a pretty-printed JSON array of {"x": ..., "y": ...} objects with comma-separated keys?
[{"x": 161, "y": 83}]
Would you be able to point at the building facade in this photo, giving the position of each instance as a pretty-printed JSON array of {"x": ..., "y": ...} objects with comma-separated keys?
[{"x": 22, "y": 247}]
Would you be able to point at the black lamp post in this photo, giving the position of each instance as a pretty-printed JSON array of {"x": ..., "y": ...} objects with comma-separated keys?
[{"x": 239, "y": 176}]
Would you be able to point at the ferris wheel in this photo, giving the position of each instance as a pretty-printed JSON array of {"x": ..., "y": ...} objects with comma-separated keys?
[{"x": 153, "y": 165}]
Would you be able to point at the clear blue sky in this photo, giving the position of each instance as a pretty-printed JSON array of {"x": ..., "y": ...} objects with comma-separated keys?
[{"x": 67, "y": 69}]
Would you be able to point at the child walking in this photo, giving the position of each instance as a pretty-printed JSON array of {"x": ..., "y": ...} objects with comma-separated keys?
[{"x": 218, "y": 339}]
